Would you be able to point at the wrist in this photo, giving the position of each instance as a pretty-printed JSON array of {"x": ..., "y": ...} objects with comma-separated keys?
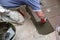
[{"x": 41, "y": 14}]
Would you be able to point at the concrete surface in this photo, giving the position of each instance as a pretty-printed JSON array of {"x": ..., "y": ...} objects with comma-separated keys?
[
  {"x": 52, "y": 11},
  {"x": 27, "y": 31}
]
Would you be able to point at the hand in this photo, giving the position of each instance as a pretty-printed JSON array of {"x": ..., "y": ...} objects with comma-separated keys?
[{"x": 41, "y": 15}]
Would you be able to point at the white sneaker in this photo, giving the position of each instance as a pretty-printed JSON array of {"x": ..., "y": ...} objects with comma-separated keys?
[{"x": 13, "y": 16}]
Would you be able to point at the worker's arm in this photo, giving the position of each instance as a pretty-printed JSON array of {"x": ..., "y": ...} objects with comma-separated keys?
[
  {"x": 36, "y": 7},
  {"x": 41, "y": 15}
]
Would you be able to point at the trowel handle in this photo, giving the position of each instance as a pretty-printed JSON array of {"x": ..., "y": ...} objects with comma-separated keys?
[{"x": 43, "y": 20}]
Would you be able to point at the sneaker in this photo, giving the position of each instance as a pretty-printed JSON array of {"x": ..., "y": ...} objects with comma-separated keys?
[{"x": 14, "y": 17}]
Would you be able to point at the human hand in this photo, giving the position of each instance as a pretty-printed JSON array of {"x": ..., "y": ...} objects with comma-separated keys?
[{"x": 41, "y": 15}]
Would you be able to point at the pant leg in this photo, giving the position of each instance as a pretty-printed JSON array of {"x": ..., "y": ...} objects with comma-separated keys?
[{"x": 34, "y": 4}]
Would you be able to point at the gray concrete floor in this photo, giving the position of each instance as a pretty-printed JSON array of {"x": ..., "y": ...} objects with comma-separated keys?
[
  {"x": 27, "y": 31},
  {"x": 52, "y": 11}
]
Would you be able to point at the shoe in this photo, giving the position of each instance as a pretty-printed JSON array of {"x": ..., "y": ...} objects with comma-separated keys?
[
  {"x": 21, "y": 12},
  {"x": 14, "y": 17}
]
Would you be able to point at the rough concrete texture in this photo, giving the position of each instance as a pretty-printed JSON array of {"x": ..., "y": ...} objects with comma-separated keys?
[{"x": 27, "y": 31}]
